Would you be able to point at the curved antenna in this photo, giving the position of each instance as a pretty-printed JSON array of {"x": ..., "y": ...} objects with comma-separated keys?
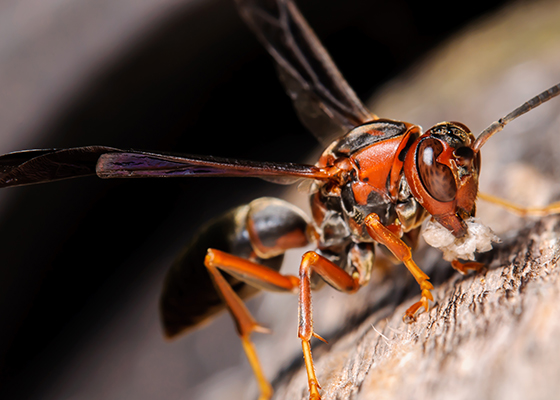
[{"x": 498, "y": 125}]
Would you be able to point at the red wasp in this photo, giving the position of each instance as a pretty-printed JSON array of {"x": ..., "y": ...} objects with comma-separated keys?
[{"x": 377, "y": 183}]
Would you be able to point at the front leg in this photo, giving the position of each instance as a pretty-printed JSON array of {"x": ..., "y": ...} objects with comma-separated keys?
[
  {"x": 336, "y": 277},
  {"x": 465, "y": 267},
  {"x": 381, "y": 234}
]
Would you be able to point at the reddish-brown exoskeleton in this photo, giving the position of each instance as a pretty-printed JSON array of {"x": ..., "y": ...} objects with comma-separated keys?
[{"x": 376, "y": 183}]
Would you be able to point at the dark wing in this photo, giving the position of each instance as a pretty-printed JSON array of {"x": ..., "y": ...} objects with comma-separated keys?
[
  {"x": 38, "y": 166},
  {"x": 324, "y": 101},
  {"x": 46, "y": 165},
  {"x": 136, "y": 164}
]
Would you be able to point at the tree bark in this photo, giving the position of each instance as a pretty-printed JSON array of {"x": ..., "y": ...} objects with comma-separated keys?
[{"x": 490, "y": 335}]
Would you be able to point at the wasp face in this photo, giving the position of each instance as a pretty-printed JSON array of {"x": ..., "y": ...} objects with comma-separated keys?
[{"x": 442, "y": 171}]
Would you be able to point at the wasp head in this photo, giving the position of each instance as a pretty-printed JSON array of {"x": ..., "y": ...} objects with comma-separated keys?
[{"x": 442, "y": 169}]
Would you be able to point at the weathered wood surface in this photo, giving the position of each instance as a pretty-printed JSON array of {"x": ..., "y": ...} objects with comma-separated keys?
[{"x": 492, "y": 335}]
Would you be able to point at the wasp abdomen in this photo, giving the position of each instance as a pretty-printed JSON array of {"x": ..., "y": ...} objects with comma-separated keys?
[{"x": 260, "y": 231}]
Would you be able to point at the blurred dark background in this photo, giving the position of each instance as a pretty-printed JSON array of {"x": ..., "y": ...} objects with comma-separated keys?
[{"x": 179, "y": 76}]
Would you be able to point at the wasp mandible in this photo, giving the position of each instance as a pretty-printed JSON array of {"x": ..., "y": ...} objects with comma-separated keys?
[{"x": 376, "y": 183}]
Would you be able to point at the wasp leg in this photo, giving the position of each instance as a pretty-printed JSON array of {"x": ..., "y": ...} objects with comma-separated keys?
[
  {"x": 464, "y": 267},
  {"x": 550, "y": 209},
  {"x": 336, "y": 277},
  {"x": 256, "y": 275},
  {"x": 386, "y": 237}
]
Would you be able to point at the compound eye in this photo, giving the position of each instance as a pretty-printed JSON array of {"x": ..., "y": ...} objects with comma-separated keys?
[{"x": 438, "y": 179}]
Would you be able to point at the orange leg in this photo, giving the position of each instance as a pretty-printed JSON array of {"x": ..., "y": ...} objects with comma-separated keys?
[
  {"x": 464, "y": 267},
  {"x": 336, "y": 277},
  {"x": 256, "y": 275},
  {"x": 550, "y": 209},
  {"x": 386, "y": 237}
]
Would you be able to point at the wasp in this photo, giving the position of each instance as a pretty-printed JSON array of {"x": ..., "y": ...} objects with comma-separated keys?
[{"x": 375, "y": 184}]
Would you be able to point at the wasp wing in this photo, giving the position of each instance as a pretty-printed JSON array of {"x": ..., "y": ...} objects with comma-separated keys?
[
  {"x": 136, "y": 164},
  {"x": 324, "y": 101},
  {"x": 45, "y": 165}
]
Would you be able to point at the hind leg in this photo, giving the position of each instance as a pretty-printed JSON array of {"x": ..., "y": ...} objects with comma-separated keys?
[
  {"x": 272, "y": 227},
  {"x": 255, "y": 275}
]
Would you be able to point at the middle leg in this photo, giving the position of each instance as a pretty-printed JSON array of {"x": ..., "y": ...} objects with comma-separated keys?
[{"x": 336, "y": 277}]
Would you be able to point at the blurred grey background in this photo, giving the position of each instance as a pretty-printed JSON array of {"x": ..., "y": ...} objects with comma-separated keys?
[{"x": 83, "y": 260}]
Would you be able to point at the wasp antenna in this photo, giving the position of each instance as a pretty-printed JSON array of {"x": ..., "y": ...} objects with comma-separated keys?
[{"x": 498, "y": 125}]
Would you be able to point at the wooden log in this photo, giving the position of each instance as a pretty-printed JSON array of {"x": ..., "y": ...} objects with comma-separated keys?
[{"x": 489, "y": 335}]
